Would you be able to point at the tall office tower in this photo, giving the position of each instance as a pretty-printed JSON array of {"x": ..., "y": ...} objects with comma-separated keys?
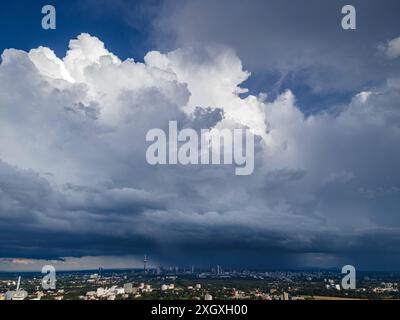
[{"x": 145, "y": 264}]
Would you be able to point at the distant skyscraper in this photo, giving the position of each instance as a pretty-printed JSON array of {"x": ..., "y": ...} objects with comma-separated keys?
[
  {"x": 145, "y": 264},
  {"x": 219, "y": 270}
]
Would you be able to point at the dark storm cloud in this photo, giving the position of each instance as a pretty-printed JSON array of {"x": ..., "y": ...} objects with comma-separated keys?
[
  {"x": 285, "y": 44},
  {"x": 300, "y": 46}
]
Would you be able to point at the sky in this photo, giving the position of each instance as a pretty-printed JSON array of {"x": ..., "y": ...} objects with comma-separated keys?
[{"x": 76, "y": 104}]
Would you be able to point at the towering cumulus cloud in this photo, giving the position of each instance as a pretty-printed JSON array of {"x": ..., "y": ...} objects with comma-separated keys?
[{"x": 74, "y": 180}]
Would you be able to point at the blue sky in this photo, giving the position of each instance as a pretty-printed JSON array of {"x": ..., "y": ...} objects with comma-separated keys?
[
  {"x": 323, "y": 102},
  {"x": 20, "y": 24}
]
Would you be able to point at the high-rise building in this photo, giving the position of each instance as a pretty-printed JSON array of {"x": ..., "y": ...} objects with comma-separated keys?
[
  {"x": 285, "y": 296},
  {"x": 145, "y": 264}
]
